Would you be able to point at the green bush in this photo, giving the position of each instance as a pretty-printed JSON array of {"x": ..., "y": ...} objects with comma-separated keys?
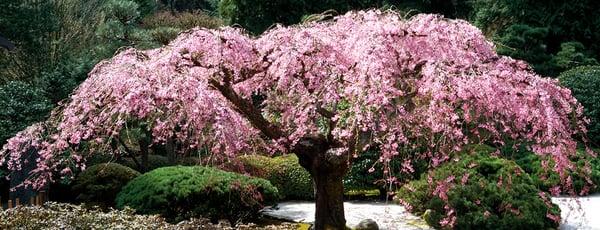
[
  {"x": 154, "y": 162},
  {"x": 496, "y": 195},
  {"x": 546, "y": 179},
  {"x": 571, "y": 55},
  {"x": 182, "y": 20},
  {"x": 164, "y": 35},
  {"x": 181, "y": 192},
  {"x": 21, "y": 105},
  {"x": 291, "y": 179},
  {"x": 99, "y": 184},
  {"x": 584, "y": 83}
]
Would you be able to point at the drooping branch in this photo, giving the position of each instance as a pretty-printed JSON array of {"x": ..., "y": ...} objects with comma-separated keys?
[{"x": 247, "y": 109}]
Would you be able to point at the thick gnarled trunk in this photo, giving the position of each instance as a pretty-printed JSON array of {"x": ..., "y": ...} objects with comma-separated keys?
[
  {"x": 327, "y": 168},
  {"x": 329, "y": 200}
]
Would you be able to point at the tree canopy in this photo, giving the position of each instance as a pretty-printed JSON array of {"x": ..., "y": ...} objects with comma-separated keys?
[{"x": 325, "y": 91}]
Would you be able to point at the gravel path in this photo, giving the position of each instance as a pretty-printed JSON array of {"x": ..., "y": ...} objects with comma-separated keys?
[
  {"x": 387, "y": 216},
  {"x": 579, "y": 212}
]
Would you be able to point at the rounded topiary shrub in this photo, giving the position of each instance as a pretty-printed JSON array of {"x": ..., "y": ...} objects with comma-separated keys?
[
  {"x": 154, "y": 162},
  {"x": 482, "y": 192},
  {"x": 291, "y": 179},
  {"x": 181, "y": 192},
  {"x": 584, "y": 83},
  {"x": 99, "y": 184}
]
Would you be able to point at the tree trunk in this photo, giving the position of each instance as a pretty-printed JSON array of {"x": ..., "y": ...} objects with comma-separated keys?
[
  {"x": 329, "y": 198},
  {"x": 327, "y": 168},
  {"x": 171, "y": 151},
  {"x": 144, "y": 151}
]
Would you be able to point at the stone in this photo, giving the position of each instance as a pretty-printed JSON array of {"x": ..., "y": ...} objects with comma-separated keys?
[{"x": 367, "y": 224}]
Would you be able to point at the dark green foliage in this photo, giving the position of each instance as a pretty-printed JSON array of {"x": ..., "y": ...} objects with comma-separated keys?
[
  {"x": 181, "y": 192},
  {"x": 21, "y": 105},
  {"x": 284, "y": 172},
  {"x": 483, "y": 202},
  {"x": 258, "y": 15},
  {"x": 525, "y": 42},
  {"x": 65, "y": 77},
  {"x": 146, "y": 7},
  {"x": 571, "y": 55},
  {"x": 360, "y": 179},
  {"x": 154, "y": 162},
  {"x": 546, "y": 179},
  {"x": 584, "y": 83},
  {"x": 189, "y": 161},
  {"x": 99, "y": 158},
  {"x": 99, "y": 184},
  {"x": 191, "y": 5},
  {"x": 564, "y": 21},
  {"x": 182, "y": 21},
  {"x": 121, "y": 27},
  {"x": 28, "y": 24},
  {"x": 164, "y": 35}
]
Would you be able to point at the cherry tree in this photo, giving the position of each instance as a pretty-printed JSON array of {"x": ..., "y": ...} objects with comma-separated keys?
[{"x": 325, "y": 91}]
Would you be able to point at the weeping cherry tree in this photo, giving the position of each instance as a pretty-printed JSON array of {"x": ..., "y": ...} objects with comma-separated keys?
[{"x": 325, "y": 91}]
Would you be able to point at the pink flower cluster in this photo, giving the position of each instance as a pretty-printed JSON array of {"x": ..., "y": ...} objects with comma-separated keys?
[{"x": 363, "y": 79}]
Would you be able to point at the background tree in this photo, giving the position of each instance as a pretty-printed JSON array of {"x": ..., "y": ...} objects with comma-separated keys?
[
  {"x": 561, "y": 20},
  {"x": 324, "y": 91},
  {"x": 584, "y": 82}
]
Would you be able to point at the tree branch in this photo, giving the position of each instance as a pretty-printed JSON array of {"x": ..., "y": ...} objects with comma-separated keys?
[{"x": 247, "y": 109}]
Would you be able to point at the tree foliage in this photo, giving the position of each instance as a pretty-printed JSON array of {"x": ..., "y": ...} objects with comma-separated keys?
[
  {"x": 257, "y": 15},
  {"x": 584, "y": 83},
  {"x": 560, "y": 20},
  {"x": 21, "y": 105}
]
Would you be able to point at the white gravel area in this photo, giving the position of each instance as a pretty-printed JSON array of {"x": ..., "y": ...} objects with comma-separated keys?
[
  {"x": 579, "y": 212},
  {"x": 388, "y": 216}
]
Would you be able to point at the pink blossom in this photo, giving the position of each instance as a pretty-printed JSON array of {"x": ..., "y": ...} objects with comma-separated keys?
[{"x": 367, "y": 78}]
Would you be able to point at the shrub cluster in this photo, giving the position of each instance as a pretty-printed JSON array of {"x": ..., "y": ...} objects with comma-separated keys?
[
  {"x": 182, "y": 20},
  {"x": 291, "y": 179},
  {"x": 546, "y": 179},
  {"x": 181, "y": 192},
  {"x": 99, "y": 184},
  {"x": 483, "y": 192},
  {"x": 67, "y": 216}
]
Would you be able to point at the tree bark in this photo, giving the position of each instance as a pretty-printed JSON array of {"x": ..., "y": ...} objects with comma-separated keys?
[
  {"x": 144, "y": 151},
  {"x": 327, "y": 168},
  {"x": 329, "y": 200}
]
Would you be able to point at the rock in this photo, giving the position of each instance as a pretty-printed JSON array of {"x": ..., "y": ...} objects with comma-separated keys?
[
  {"x": 426, "y": 215},
  {"x": 367, "y": 224}
]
